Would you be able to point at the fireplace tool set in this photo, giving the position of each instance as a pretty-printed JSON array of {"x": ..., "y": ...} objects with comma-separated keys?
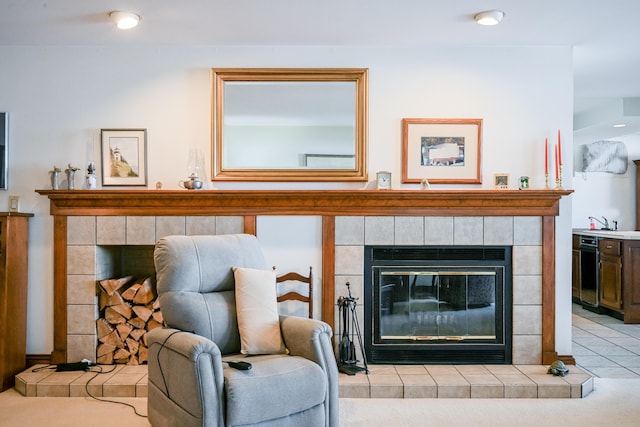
[{"x": 347, "y": 358}]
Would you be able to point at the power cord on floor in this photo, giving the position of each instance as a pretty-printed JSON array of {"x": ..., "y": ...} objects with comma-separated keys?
[
  {"x": 101, "y": 399},
  {"x": 86, "y": 386}
]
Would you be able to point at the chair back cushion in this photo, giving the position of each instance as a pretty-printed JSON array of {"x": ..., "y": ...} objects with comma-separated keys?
[{"x": 196, "y": 285}]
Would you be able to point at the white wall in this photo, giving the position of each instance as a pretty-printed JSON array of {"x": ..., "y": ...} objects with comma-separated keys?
[
  {"x": 60, "y": 97},
  {"x": 610, "y": 195}
]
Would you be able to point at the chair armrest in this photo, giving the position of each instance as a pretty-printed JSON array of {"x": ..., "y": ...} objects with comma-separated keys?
[
  {"x": 311, "y": 339},
  {"x": 186, "y": 369},
  {"x": 305, "y": 337}
]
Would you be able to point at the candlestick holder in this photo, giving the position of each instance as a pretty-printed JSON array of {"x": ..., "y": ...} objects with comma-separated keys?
[
  {"x": 559, "y": 178},
  {"x": 546, "y": 180}
]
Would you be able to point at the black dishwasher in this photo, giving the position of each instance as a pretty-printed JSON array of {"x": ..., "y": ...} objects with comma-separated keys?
[{"x": 589, "y": 260}]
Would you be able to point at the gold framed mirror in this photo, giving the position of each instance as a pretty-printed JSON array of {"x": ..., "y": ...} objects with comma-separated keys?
[{"x": 289, "y": 124}]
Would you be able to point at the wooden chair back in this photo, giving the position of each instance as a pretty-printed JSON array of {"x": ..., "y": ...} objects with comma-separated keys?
[{"x": 297, "y": 296}]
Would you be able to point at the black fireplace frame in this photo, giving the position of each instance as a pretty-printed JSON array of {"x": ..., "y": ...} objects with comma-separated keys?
[{"x": 452, "y": 258}]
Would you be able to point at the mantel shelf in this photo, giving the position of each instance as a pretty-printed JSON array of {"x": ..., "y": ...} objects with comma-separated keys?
[{"x": 305, "y": 202}]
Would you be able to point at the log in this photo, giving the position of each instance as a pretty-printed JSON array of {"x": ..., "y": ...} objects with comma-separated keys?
[
  {"x": 103, "y": 328},
  {"x": 121, "y": 354},
  {"x": 124, "y": 309},
  {"x": 152, "y": 324},
  {"x": 113, "y": 338},
  {"x": 106, "y": 359},
  {"x": 142, "y": 312},
  {"x": 137, "y": 322},
  {"x": 114, "y": 299},
  {"x": 105, "y": 349},
  {"x": 133, "y": 361},
  {"x": 132, "y": 345},
  {"x": 145, "y": 292},
  {"x": 158, "y": 317},
  {"x": 137, "y": 333},
  {"x": 113, "y": 316},
  {"x": 143, "y": 354},
  {"x": 124, "y": 329},
  {"x": 130, "y": 293},
  {"x": 103, "y": 299},
  {"x": 112, "y": 285}
]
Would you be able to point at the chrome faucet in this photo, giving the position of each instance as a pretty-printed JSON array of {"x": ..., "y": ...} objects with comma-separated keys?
[{"x": 605, "y": 224}]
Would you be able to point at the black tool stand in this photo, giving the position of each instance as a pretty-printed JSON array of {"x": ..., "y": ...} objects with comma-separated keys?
[{"x": 347, "y": 359}]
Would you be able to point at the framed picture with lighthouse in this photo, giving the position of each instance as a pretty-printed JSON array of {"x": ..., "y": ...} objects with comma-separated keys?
[{"x": 124, "y": 157}]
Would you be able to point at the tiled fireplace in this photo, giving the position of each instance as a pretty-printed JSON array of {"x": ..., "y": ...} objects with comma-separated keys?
[
  {"x": 89, "y": 239},
  {"x": 87, "y": 222},
  {"x": 523, "y": 234}
]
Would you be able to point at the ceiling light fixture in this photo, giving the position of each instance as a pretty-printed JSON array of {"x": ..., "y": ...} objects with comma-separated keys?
[
  {"x": 125, "y": 20},
  {"x": 489, "y": 17},
  {"x": 619, "y": 125}
]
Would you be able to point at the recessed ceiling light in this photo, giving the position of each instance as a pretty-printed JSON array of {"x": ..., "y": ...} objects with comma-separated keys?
[
  {"x": 489, "y": 17},
  {"x": 125, "y": 20},
  {"x": 619, "y": 125}
]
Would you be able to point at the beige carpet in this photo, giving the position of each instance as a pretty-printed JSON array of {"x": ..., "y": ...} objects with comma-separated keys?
[{"x": 614, "y": 402}]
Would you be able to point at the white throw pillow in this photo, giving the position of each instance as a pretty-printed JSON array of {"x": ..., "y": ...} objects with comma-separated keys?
[{"x": 257, "y": 309}]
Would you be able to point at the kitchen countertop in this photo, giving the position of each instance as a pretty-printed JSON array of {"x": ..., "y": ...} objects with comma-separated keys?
[{"x": 624, "y": 235}]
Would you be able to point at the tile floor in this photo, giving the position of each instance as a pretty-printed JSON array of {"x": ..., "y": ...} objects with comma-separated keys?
[{"x": 602, "y": 346}]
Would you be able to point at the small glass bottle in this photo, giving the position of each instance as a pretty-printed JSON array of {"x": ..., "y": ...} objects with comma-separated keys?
[{"x": 90, "y": 179}]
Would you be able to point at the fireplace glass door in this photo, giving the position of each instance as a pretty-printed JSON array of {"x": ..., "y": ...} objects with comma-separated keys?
[{"x": 436, "y": 305}]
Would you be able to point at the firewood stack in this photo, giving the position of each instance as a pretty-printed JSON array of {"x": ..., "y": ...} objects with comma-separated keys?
[{"x": 128, "y": 310}]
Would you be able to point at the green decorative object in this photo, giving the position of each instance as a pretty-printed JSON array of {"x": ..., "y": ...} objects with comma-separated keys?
[{"x": 558, "y": 368}]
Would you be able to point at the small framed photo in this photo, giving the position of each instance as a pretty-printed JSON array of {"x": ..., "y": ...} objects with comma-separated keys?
[
  {"x": 501, "y": 181},
  {"x": 443, "y": 151},
  {"x": 124, "y": 157}
]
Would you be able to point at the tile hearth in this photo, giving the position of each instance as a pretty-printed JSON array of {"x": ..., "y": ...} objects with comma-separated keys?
[{"x": 384, "y": 381}]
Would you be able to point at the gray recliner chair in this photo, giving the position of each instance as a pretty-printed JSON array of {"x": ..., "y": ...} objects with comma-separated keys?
[{"x": 189, "y": 382}]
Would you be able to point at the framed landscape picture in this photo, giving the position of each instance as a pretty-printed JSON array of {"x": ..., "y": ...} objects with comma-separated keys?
[
  {"x": 443, "y": 151},
  {"x": 124, "y": 157}
]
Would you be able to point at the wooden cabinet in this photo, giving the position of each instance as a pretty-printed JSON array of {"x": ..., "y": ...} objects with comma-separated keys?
[
  {"x": 576, "y": 276},
  {"x": 610, "y": 273},
  {"x": 14, "y": 237},
  {"x": 631, "y": 280}
]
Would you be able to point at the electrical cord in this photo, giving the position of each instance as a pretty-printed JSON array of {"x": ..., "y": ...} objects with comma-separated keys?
[
  {"x": 86, "y": 386},
  {"x": 162, "y": 346},
  {"x": 100, "y": 371},
  {"x": 101, "y": 399}
]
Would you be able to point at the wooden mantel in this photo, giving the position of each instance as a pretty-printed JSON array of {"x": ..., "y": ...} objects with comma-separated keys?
[
  {"x": 305, "y": 202},
  {"x": 325, "y": 203}
]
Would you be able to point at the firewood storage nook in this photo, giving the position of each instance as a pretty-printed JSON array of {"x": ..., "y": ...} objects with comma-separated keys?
[{"x": 237, "y": 211}]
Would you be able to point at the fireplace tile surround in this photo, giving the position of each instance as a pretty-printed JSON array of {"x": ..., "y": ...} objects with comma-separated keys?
[
  {"x": 350, "y": 219},
  {"x": 523, "y": 233},
  {"x": 88, "y": 260}
]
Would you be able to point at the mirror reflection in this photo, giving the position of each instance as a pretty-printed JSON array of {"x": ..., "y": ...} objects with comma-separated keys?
[{"x": 289, "y": 124}]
